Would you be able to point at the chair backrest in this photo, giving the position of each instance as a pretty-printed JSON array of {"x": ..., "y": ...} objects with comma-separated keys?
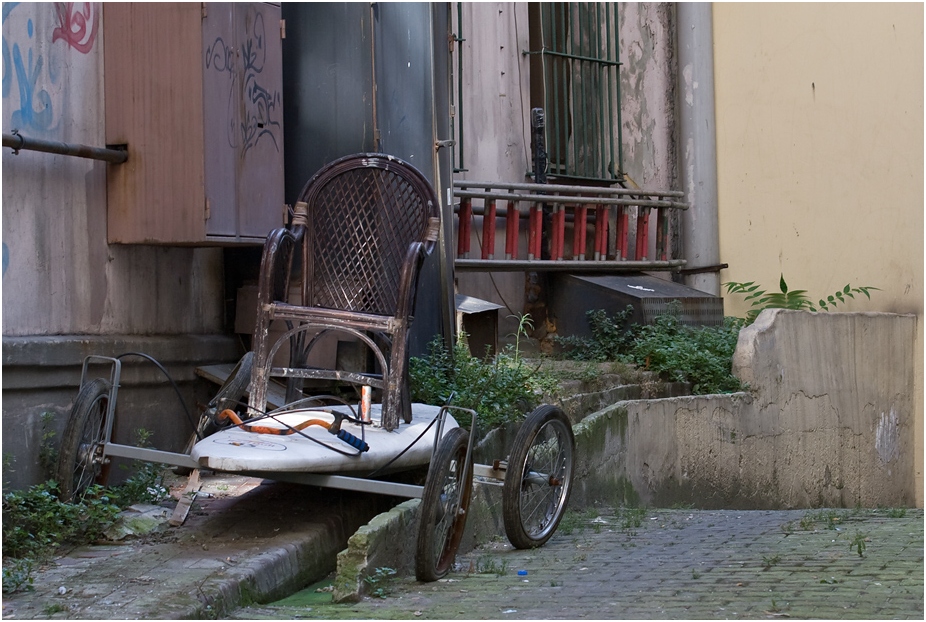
[{"x": 365, "y": 213}]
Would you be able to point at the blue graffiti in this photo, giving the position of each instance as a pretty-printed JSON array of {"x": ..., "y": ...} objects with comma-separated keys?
[
  {"x": 6, "y": 258},
  {"x": 35, "y": 107},
  {"x": 7, "y": 62}
]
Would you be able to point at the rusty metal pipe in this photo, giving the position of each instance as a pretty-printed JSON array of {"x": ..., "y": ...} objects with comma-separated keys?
[{"x": 18, "y": 142}]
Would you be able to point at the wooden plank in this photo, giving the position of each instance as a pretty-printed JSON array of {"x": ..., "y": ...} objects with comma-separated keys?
[{"x": 186, "y": 499}]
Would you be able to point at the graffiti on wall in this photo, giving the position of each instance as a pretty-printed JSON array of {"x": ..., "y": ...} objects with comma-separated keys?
[
  {"x": 37, "y": 41},
  {"x": 261, "y": 105},
  {"x": 73, "y": 21},
  {"x": 34, "y": 66}
]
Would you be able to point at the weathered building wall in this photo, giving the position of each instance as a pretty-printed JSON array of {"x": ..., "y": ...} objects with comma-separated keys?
[
  {"x": 495, "y": 102},
  {"x": 819, "y": 112},
  {"x": 59, "y": 275},
  {"x": 496, "y": 113},
  {"x": 648, "y": 100}
]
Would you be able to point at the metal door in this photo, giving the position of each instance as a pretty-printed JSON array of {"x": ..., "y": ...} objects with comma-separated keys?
[{"x": 374, "y": 77}]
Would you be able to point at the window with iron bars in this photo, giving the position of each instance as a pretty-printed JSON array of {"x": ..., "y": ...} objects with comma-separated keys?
[{"x": 575, "y": 78}]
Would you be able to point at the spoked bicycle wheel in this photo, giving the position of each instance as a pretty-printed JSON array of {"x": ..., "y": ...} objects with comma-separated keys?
[
  {"x": 444, "y": 505},
  {"x": 539, "y": 477},
  {"x": 80, "y": 458}
]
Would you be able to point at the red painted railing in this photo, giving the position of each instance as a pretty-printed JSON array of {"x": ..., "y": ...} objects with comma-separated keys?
[{"x": 555, "y": 209}]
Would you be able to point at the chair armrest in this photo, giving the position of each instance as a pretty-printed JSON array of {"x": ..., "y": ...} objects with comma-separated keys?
[
  {"x": 276, "y": 266},
  {"x": 408, "y": 283}
]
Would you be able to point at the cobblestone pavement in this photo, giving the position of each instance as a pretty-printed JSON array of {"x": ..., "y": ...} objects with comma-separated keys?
[{"x": 668, "y": 564}]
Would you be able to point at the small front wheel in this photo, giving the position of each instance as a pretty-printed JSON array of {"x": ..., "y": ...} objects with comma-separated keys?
[
  {"x": 80, "y": 458},
  {"x": 539, "y": 477},
  {"x": 444, "y": 505}
]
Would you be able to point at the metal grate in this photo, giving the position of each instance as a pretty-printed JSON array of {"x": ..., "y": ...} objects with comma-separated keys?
[{"x": 575, "y": 78}]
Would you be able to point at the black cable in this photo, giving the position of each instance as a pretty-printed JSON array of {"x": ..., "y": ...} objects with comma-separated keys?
[
  {"x": 172, "y": 383},
  {"x": 270, "y": 415},
  {"x": 401, "y": 453},
  {"x": 423, "y": 432}
]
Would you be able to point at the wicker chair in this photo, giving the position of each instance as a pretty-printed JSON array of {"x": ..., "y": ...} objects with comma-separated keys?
[{"x": 364, "y": 224}]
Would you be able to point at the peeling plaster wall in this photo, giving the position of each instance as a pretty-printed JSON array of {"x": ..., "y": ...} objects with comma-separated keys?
[
  {"x": 648, "y": 83},
  {"x": 496, "y": 109},
  {"x": 60, "y": 278},
  {"x": 495, "y": 122},
  {"x": 819, "y": 111},
  {"x": 828, "y": 423}
]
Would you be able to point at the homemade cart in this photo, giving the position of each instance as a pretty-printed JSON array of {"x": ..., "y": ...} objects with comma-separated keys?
[{"x": 363, "y": 226}]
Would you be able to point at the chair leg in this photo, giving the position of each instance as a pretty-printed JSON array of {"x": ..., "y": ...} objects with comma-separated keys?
[{"x": 260, "y": 371}]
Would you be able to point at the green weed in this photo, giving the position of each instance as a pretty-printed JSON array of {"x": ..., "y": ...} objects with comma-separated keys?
[
  {"x": 36, "y": 521},
  {"x": 796, "y": 299},
  {"x": 487, "y": 564},
  {"x": 858, "y": 543},
  {"x": 50, "y": 610},
  {"x": 699, "y": 355},
  {"x": 828, "y": 519},
  {"x": 380, "y": 582},
  {"x": 631, "y": 518},
  {"x": 17, "y": 575}
]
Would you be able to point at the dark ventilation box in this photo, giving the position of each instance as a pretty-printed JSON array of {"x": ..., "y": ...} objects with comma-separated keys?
[
  {"x": 479, "y": 318},
  {"x": 572, "y": 296}
]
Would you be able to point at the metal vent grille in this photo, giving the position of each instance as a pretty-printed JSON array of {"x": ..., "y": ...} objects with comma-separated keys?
[
  {"x": 574, "y": 295},
  {"x": 693, "y": 311}
]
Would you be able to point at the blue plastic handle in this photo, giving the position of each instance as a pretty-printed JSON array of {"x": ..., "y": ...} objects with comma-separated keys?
[{"x": 353, "y": 441}]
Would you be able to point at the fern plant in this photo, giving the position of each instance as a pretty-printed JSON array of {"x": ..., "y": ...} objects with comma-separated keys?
[{"x": 795, "y": 299}]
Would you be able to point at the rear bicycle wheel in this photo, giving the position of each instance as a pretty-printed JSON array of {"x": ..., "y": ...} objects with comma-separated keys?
[
  {"x": 444, "y": 506},
  {"x": 80, "y": 458},
  {"x": 539, "y": 477}
]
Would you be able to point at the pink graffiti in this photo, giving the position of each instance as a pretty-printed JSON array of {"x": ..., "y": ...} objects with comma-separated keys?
[{"x": 72, "y": 24}]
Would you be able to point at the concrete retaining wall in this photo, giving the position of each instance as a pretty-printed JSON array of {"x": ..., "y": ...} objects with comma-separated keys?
[
  {"x": 828, "y": 422},
  {"x": 41, "y": 375}
]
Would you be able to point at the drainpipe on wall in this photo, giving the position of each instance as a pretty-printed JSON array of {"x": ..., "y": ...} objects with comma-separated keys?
[{"x": 698, "y": 145}]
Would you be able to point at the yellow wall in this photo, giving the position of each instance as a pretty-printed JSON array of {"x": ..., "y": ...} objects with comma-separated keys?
[{"x": 820, "y": 154}]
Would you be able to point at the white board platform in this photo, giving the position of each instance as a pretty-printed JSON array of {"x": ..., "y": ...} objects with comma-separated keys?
[{"x": 237, "y": 450}]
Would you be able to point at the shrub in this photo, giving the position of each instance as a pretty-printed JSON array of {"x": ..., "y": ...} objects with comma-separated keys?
[
  {"x": 500, "y": 389},
  {"x": 35, "y": 522},
  {"x": 699, "y": 355}
]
